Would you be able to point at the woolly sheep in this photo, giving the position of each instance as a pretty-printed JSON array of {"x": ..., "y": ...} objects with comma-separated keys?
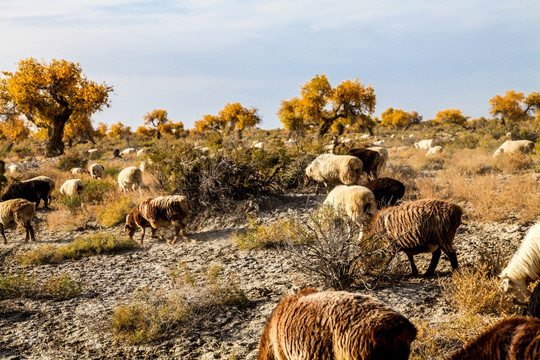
[
  {"x": 14, "y": 168},
  {"x": 427, "y": 225},
  {"x": 434, "y": 150},
  {"x": 524, "y": 266},
  {"x": 17, "y": 212},
  {"x": 257, "y": 144},
  {"x": 515, "y": 338},
  {"x": 423, "y": 144},
  {"x": 378, "y": 142},
  {"x": 96, "y": 171},
  {"x": 371, "y": 160},
  {"x": 31, "y": 190},
  {"x": 533, "y": 308},
  {"x": 355, "y": 201},
  {"x": 116, "y": 154},
  {"x": 514, "y": 146},
  {"x": 52, "y": 183},
  {"x": 91, "y": 151},
  {"x": 334, "y": 170},
  {"x": 384, "y": 153},
  {"x": 158, "y": 212},
  {"x": 315, "y": 324},
  {"x": 78, "y": 171},
  {"x": 141, "y": 152},
  {"x": 72, "y": 187},
  {"x": 387, "y": 191},
  {"x": 128, "y": 151},
  {"x": 130, "y": 178}
]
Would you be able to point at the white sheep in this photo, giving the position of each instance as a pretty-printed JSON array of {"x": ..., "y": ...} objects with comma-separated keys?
[
  {"x": 141, "y": 152},
  {"x": 424, "y": 144},
  {"x": 95, "y": 170},
  {"x": 17, "y": 212},
  {"x": 514, "y": 146},
  {"x": 130, "y": 178},
  {"x": 128, "y": 151},
  {"x": 78, "y": 171},
  {"x": 91, "y": 151},
  {"x": 15, "y": 168},
  {"x": 355, "y": 201},
  {"x": 524, "y": 266},
  {"x": 72, "y": 187},
  {"x": 332, "y": 169},
  {"x": 434, "y": 150}
]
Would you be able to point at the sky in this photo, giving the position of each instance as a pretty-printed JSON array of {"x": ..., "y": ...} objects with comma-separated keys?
[{"x": 192, "y": 57}]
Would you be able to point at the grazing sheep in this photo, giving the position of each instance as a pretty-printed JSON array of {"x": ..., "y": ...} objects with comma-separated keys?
[
  {"x": 515, "y": 338},
  {"x": 143, "y": 166},
  {"x": 72, "y": 187},
  {"x": 96, "y": 171},
  {"x": 128, "y": 151},
  {"x": 142, "y": 152},
  {"x": 427, "y": 225},
  {"x": 378, "y": 142},
  {"x": 423, "y": 144},
  {"x": 315, "y": 324},
  {"x": 524, "y": 266},
  {"x": 334, "y": 170},
  {"x": 130, "y": 178},
  {"x": 31, "y": 190},
  {"x": 434, "y": 150},
  {"x": 355, "y": 201},
  {"x": 116, "y": 154},
  {"x": 533, "y": 309},
  {"x": 14, "y": 168},
  {"x": 384, "y": 154},
  {"x": 91, "y": 151},
  {"x": 51, "y": 182},
  {"x": 514, "y": 146},
  {"x": 78, "y": 171},
  {"x": 159, "y": 212},
  {"x": 17, "y": 212},
  {"x": 371, "y": 160},
  {"x": 387, "y": 191}
]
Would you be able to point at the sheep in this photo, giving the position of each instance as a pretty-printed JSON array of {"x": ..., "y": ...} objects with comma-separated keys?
[
  {"x": 116, "y": 154},
  {"x": 315, "y": 324},
  {"x": 31, "y": 190},
  {"x": 96, "y": 171},
  {"x": 387, "y": 191},
  {"x": 17, "y": 212},
  {"x": 78, "y": 171},
  {"x": 524, "y": 266},
  {"x": 378, "y": 142},
  {"x": 434, "y": 150},
  {"x": 72, "y": 187},
  {"x": 510, "y": 339},
  {"x": 143, "y": 166},
  {"x": 14, "y": 168},
  {"x": 91, "y": 151},
  {"x": 334, "y": 170},
  {"x": 533, "y": 308},
  {"x": 128, "y": 151},
  {"x": 384, "y": 154},
  {"x": 158, "y": 212},
  {"x": 371, "y": 160},
  {"x": 514, "y": 146},
  {"x": 52, "y": 183},
  {"x": 257, "y": 144},
  {"x": 141, "y": 152},
  {"x": 427, "y": 225},
  {"x": 355, "y": 201},
  {"x": 424, "y": 144},
  {"x": 130, "y": 178}
]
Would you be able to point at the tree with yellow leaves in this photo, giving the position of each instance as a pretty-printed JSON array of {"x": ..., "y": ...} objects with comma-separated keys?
[
  {"x": 514, "y": 106},
  {"x": 156, "y": 118},
  {"x": 50, "y": 95},
  {"x": 209, "y": 122},
  {"x": 79, "y": 128},
  {"x": 14, "y": 129},
  {"x": 101, "y": 130},
  {"x": 232, "y": 117},
  {"x": 397, "y": 118},
  {"x": 450, "y": 117},
  {"x": 320, "y": 106},
  {"x": 119, "y": 130}
]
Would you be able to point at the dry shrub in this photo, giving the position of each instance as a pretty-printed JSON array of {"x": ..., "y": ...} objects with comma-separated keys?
[
  {"x": 65, "y": 220},
  {"x": 512, "y": 163},
  {"x": 61, "y": 286},
  {"x": 469, "y": 162},
  {"x": 263, "y": 236},
  {"x": 115, "y": 211}
]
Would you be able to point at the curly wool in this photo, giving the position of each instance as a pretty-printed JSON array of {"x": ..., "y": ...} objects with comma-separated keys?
[
  {"x": 335, "y": 169},
  {"x": 130, "y": 179},
  {"x": 17, "y": 212},
  {"x": 355, "y": 201}
]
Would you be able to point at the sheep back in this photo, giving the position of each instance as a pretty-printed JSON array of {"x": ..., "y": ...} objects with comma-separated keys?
[
  {"x": 512, "y": 338},
  {"x": 72, "y": 187},
  {"x": 52, "y": 183},
  {"x": 513, "y": 146},
  {"x": 335, "y": 169},
  {"x": 129, "y": 178},
  {"x": 95, "y": 170},
  {"x": 355, "y": 201},
  {"x": 335, "y": 325},
  {"x": 31, "y": 190},
  {"x": 159, "y": 212},
  {"x": 387, "y": 191},
  {"x": 16, "y": 212}
]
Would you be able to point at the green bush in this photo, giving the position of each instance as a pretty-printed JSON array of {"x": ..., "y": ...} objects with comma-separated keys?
[
  {"x": 72, "y": 203},
  {"x": 115, "y": 212},
  {"x": 97, "y": 190}
]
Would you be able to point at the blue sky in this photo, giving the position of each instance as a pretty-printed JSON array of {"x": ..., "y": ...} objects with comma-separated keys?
[{"x": 192, "y": 57}]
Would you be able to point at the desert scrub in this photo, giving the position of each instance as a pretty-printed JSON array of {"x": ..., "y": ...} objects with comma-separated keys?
[
  {"x": 195, "y": 300},
  {"x": 263, "y": 236},
  {"x": 512, "y": 163},
  {"x": 71, "y": 203},
  {"x": 97, "y": 190},
  {"x": 115, "y": 212},
  {"x": 61, "y": 286},
  {"x": 95, "y": 244}
]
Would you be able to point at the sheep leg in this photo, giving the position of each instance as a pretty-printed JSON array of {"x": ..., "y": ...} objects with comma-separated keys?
[
  {"x": 3, "y": 235},
  {"x": 453, "y": 259},
  {"x": 45, "y": 202},
  {"x": 154, "y": 234},
  {"x": 435, "y": 256},
  {"x": 142, "y": 235},
  {"x": 30, "y": 230},
  {"x": 413, "y": 265}
]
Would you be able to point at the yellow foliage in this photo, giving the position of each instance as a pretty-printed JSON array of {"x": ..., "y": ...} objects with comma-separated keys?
[
  {"x": 514, "y": 106},
  {"x": 14, "y": 129},
  {"x": 101, "y": 130},
  {"x": 145, "y": 131},
  {"x": 235, "y": 116},
  {"x": 119, "y": 130},
  {"x": 450, "y": 116}
]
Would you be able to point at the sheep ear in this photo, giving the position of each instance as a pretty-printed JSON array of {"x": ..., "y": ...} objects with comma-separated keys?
[{"x": 505, "y": 284}]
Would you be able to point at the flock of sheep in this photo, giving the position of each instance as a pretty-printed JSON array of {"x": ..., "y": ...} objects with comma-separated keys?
[{"x": 338, "y": 325}]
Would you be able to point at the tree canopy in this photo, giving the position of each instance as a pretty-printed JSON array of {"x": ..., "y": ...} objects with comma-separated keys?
[
  {"x": 397, "y": 118},
  {"x": 320, "y": 106},
  {"x": 50, "y": 95},
  {"x": 158, "y": 123},
  {"x": 232, "y": 117},
  {"x": 450, "y": 117},
  {"x": 514, "y": 106}
]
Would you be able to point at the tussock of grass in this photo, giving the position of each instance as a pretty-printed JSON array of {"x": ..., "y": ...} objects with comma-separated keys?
[
  {"x": 259, "y": 236},
  {"x": 81, "y": 247},
  {"x": 196, "y": 299},
  {"x": 61, "y": 286},
  {"x": 115, "y": 212}
]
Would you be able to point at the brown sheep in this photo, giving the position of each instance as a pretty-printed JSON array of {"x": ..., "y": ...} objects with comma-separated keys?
[
  {"x": 331, "y": 325},
  {"x": 17, "y": 212},
  {"x": 158, "y": 212},
  {"x": 387, "y": 191},
  {"x": 371, "y": 160},
  {"x": 427, "y": 225},
  {"x": 516, "y": 338}
]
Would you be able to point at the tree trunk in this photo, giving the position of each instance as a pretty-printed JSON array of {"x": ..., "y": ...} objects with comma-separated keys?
[
  {"x": 158, "y": 134},
  {"x": 323, "y": 129},
  {"x": 55, "y": 147}
]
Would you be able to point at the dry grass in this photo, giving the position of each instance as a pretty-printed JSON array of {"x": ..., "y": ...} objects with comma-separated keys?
[
  {"x": 61, "y": 286},
  {"x": 262, "y": 236}
]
